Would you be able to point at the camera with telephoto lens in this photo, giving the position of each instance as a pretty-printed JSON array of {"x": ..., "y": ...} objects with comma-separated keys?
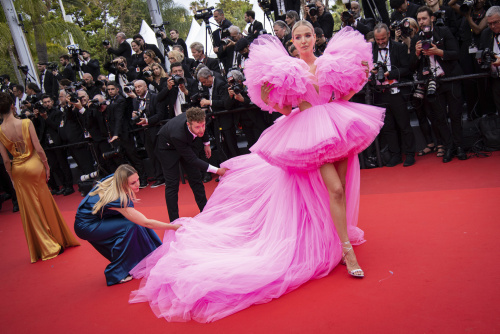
[
  {"x": 204, "y": 14},
  {"x": 74, "y": 49},
  {"x": 40, "y": 107},
  {"x": 96, "y": 103},
  {"x": 129, "y": 88},
  {"x": 178, "y": 80},
  {"x": 466, "y": 6},
  {"x": 426, "y": 33},
  {"x": 381, "y": 68},
  {"x": 112, "y": 154},
  {"x": 236, "y": 87},
  {"x": 106, "y": 42},
  {"x": 138, "y": 115},
  {"x": 313, "y": 10},
  {"x": 73, "y": 95},
  {"x": 403, "y": 26},
  {"x": 225, "y": 41},
  {"x": 265, "y": 5},
  {"x": 486, "y": 57},
  {"x": 347, "y": 15},
  {"x": 147, "y": 74},
  {"x": 440, "y": 16},
  {"x": 419, "y": 92},
  {"x": 23, "y": 68},
  {"x": 161, "y": 28},
  {"x": 197, "y": 97}
]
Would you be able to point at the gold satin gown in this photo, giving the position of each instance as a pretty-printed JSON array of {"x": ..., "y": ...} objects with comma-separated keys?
[{"x": 45, "y": 229}]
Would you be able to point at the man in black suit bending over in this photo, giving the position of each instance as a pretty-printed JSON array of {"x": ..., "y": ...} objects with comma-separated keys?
[
  {"x": 395, "y": 62},
  {"x": 177, "y": 142}
]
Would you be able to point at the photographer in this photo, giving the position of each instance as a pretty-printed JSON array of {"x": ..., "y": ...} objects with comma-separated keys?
[
  {"x": 7, "y": 86},
  {"x": 255, "y": 26},
  {"x": 174, "y": 40},
  {"x": 198, "y": 54},
  {"x": 33, "y": 95},
  {"x": 19, "y": 96},
  {"x": 252, "y": 122},
  {"x": 444, "y": 15},
  {"x": 229, "y": 57},
  {"x": 434, "y": 54},
  {"x": 92, "y": 88},
  {"x": 321, "y": 42},
  {"x": 138, "y": 38},
  {"x": 178, "y": 93},
  {"x": 320, "y": 17},
  {"x": 88, "y": 65},
  {"x": 68, "y": 72},
  {"x": 283, "y": 32},
  {"x": 220, "y": 33},
  {"x": 353, "y": 19},
  {"x": 477, "y": 95},
  {"x": 118, "y": 127},
  {"x": 403, "y": 9},
  {"x": 218, "y": 95},
  {"x": 57, "y": 157},
  {"x": 124, "y": 49},
  {"x": 176, "y": 56},
  {"x": 490, "y": 39},
  {"x": 156, "y": 77},
  {"x": 393, "y": 66},
  {"x": 72, "y": 130},
  {"x": 122, "y": 73},
  {"x": 291, "y": 18},
  {"x": 280, "y": 7},
  {"x": 406, "y": 33},
  {"x": 137, "y": 59},
  {"x": 47, "y": 80},
  {"x": 148, "y": 112}
]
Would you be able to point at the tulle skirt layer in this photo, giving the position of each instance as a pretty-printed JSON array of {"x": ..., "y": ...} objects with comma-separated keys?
[
  {"x": 264, "y": 232},
  {"x": 306, "y": 140}
]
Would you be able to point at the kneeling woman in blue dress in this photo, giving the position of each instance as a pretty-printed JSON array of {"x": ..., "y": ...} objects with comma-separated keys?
[{"x": 107, "y": 219}]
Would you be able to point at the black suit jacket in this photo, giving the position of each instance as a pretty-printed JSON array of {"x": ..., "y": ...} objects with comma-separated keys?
[
  {"x": 156, "y": 51},
  {"x": 154, "y": 111},
  {"x": 95, "y": 124},
  {"x": 212, "y": 64},
  {"x": 253, "y": 30},
  {"x": 219, "y": 94},
  {"x": 168, "y": 42},
  {"x": 114, "y": 116},
  {"x": 123, "y": 50},
  {"x": 92, "y": 67},
  {"x": 445, "y": 41},
  {"x": 325, "y": 22},
  {"x": 399, "y": 59},
  {"x": 226, "y": 56},
  {"x": 50, "y": 84},
  {"x": 410, "y": 12},
  {"x": 171, "y": 95},
  {"x": 175, "y": 137},
  {"x": 289, "y": 5},
  {"x": 50, "y": 127},
  {"x": 218, "y": 32},
  {"x": 67, "y": 73},
  {"x": 364, "y": 26}
]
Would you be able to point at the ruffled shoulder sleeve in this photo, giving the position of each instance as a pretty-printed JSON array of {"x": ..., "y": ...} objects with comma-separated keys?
[
  {"x": 269, "y": 61},
  {"x": 339, "y": 68}
]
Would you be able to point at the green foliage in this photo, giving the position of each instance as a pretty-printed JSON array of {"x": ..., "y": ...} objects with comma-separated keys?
[{"x": 234, "y": 11}]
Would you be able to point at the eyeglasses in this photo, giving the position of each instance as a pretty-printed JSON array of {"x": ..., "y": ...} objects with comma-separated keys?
[{"x": 494, "y": 23}]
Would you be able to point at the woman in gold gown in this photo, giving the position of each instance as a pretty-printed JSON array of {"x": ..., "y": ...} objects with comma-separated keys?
[{"x": 46, "y": 231}]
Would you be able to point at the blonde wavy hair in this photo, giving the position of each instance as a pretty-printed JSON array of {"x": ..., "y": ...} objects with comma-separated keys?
[
  {"x": 163, "y": 74},
  {"x": 303, "y": 23},
  {"x": 179, "y": 57},
  {"x": 115, "y": 187}
]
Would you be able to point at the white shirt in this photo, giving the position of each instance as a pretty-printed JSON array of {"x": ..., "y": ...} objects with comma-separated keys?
[{"x": 18, "y": 103}]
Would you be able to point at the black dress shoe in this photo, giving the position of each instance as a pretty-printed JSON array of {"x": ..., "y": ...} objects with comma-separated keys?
[
  {"x": 395, "y": 160},
  {"x": 448, "y": 155},
  {"x": 15, "y": 207},
  {"x": 207, "y": 178},
  {"x": 461, "y": 155},
  {"x": 68, "y": 191},
  {"x": 409, "y": 161},
  {"x": 158, "y": 183},
  {"x": 143, "y": 184}
]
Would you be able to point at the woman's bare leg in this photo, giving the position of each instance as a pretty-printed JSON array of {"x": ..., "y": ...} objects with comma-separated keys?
[{"x": 334, "y": 177}]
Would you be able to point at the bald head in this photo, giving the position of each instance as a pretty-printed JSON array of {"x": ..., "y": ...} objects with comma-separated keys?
[
  {"x": 89, "y": 80},
  {"x": 140, "y": 87}
]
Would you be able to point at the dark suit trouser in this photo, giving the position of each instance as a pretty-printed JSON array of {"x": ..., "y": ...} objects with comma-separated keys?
[
  {"x": 230, "y": 144},
  {"x": 150, "y": 139},
  {"x": 421, "y": 109},
  {"x": 130, "y": 152},
  {"x": 397, "y": 117},
  {"x": 170, "y": 160},
  {"x": 100, "y": 147},
  {"x": 495, "y": 85},
  {"x": 58, "y": 163},
  {"x": 252, "y": 124},
  {"x": 83, "y": 158},
  {"x": 449, "y": 95},
  {"x": 6, "y": 183}
]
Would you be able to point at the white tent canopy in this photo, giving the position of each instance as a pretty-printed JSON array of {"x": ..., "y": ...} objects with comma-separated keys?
[{"x": 193, "y": 32}]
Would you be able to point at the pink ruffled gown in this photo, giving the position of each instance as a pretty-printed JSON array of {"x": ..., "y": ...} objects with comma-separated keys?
[{"x": 267, "y": 228}]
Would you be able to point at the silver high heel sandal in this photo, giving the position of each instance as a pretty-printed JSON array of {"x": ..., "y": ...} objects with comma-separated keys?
[{"x": 358, "y": 273}]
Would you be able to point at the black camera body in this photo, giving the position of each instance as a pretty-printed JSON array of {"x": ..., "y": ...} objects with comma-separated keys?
[
  {"x": 313, "y": 10},
  {"x": 197, "y": 97},
  {"x": 426, "y": 34},
  {"x": 23, "y": 68},
  {"x": 403, "y": 26},
  {"x": 116, "y": 152},
  {"x": 487, "y": 57},
  {"x": 467, "y": 5},
  {"x": 204, "y": 14},
  {"x": 106, "y": 42},
  {"x": 440, "y": 16},
  {"x": 129, "y": 88},
  {"x": 381, "y": 68},
  {"x": 160, "y": 27},
  {"x": 178, "y": 80},
  {"x": 147, "y": 74},
  {"x": 138, "y": 115},
  {"x": 347, "y": 15},
  {"x": 265, "y": 5},
  {"x": 41, "y": 108}
]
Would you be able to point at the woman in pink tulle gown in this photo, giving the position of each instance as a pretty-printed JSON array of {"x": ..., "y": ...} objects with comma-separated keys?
[{"x": 287, "y": 212}]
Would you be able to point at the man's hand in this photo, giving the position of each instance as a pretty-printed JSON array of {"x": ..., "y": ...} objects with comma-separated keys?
[
  {"x": 208, "y": 151},
  {"x": 55, "y": 72},
  {"x": 239, "y": 97},
  {"x": 205, "y": 103},
  {"x": 170, "y": 83},
  {"x": 433, "y": 51},
  {"x": 143, "y": 121},
  {"x": 496, "y": 62},
  {"x": 367, "y": 69},
  {"x": 78, "y": 105},
  {"x": 183, "y": 89},
  {"x": 113, "y": 139},
  {"x": 231, "y": 92},
  {"x": 131, "y": 95},
  {"x": 44, "y": 115},
  {"x": 418, "y": 48},
  {"x": 221, "y": 171},
  {"x": 216, "y": 49},
  {"x": 163, "y": 34}
]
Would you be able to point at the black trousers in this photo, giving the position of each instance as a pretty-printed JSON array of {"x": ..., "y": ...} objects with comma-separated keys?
[
  {"x": 83, "y": 158},
  {"x": 253, "y": 124},
  {"x": 495, "y": 87},
  {"x": 100, "y": 147},
  {"x": 228, "y": 130},
  {"x": 59, "y": 166},
  {"x": 6, "y": 183},
  {"x": 397, "y": 119},
  {"x": 170, "y": 161},
  {"x": 150, "y": 139},
  {"x": 449, "y": 97},
  {"x": 130, "y": 152}
]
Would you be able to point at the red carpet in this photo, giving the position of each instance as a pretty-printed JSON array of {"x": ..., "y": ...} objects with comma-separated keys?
[{"x": 430, "y": 261}]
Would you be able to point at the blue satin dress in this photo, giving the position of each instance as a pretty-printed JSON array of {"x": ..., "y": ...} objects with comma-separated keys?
[{"x": 119, "y": 240}]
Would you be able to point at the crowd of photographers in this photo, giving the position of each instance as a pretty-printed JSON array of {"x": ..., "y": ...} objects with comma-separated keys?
[{"x": 105, "y": 120}]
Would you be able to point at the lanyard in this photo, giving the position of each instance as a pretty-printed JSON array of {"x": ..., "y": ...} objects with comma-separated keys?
[{"x": 386, "y": 55}]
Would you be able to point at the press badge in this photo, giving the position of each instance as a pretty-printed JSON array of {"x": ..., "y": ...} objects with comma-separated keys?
[
  {"x": 473, "y": 49},
  {"x": 61, "y": 125}
]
